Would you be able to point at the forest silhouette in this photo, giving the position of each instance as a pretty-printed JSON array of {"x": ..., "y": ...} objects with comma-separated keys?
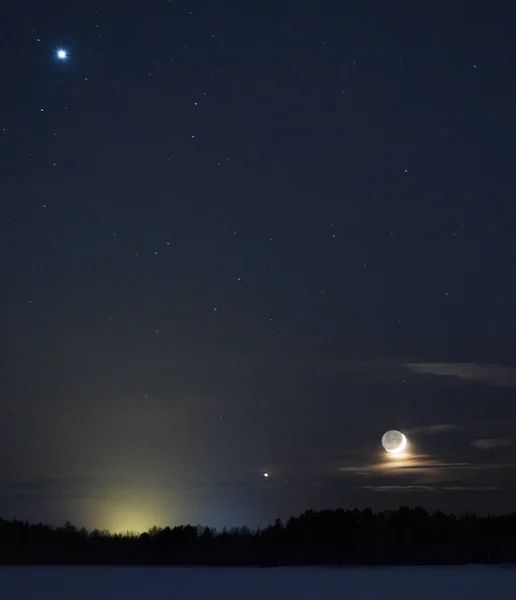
[{"x": 407, "y": 536}]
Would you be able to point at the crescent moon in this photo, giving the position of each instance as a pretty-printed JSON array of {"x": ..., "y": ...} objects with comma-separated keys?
[{"x": 401, "y": 447}]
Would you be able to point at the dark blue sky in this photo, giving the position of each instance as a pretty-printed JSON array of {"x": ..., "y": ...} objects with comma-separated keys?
[{"x": 228, "y": 232}]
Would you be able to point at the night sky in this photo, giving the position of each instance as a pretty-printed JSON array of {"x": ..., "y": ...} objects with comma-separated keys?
[{"x": 247, "y": 238}]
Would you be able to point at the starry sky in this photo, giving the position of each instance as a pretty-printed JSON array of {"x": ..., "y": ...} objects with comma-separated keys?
[{"x": 240, "y": 238}]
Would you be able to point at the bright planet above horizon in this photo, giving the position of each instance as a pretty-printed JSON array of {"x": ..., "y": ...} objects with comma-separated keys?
[{"x": 394, "y": 441}]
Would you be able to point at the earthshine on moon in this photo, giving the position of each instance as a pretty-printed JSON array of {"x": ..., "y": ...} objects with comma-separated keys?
[{"x": 394, "y": 441}]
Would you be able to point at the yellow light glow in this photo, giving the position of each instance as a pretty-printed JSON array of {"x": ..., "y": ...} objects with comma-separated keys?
[
  {"x": 131, "y": 511},
  {"x": 397, "y": 456},
  {"x": 132, "y": 519}
]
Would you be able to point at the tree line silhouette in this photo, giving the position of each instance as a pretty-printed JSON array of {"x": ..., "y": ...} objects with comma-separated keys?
[{"x": 408, "y": 536}]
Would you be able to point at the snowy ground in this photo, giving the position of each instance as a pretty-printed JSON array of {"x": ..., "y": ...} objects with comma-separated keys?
[{"x": 400, "y": 583}]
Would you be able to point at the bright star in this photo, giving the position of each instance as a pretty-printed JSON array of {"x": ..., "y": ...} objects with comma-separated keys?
[{"x": 62, "y": 54}]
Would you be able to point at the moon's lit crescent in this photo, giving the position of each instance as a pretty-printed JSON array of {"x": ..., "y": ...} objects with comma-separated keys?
[
  {"x": 401, "y": 447},
  {"x": 397, "y": 449}
]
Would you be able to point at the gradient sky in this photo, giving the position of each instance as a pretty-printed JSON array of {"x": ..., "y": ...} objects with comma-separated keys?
[{"x": 247, "y": 237}]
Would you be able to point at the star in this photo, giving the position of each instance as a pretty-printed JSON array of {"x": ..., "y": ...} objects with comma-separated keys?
[{"x": 62, "y": 54}]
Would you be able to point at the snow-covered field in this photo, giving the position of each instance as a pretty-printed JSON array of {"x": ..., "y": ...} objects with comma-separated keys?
[{"x": 399, "y": 583}]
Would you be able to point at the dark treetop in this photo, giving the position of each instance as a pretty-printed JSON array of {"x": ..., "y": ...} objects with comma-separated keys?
[{"x": 338, "y": 537}]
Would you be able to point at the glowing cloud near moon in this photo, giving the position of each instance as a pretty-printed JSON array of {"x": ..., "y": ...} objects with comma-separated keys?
[{"x": 394, "y": 441}]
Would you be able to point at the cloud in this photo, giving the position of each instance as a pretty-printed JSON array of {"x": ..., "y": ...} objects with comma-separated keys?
[
  {"x": 490, "y": 443},
  {"x": 433, "y": 429},
  {"x": 465, "y": 488},
  {"x": 495, "y": 375},
  {"x": 417, "y": 463},
  {"x": 443, "y": 466},
  {"x": 399, "y": 488},
  {"x": 428, "y": 488}
]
